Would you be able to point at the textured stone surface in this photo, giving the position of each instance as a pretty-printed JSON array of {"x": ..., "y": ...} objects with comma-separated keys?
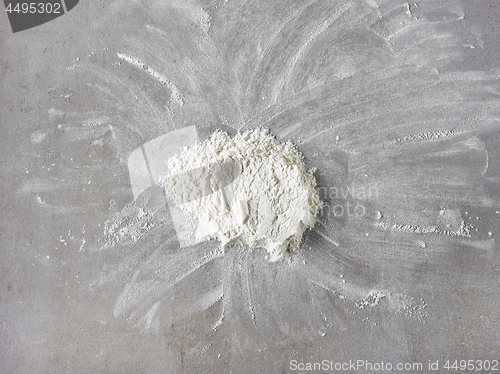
[{"x": 397, "y": 106}]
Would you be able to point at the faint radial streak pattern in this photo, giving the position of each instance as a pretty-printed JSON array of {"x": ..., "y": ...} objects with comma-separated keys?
[{"x": 368, "y": 92}]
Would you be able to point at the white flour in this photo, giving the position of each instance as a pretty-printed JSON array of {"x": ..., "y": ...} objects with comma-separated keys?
[{"x": 249, "y": 189}]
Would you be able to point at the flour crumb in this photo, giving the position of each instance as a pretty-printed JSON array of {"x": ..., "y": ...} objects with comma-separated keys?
[{"x": 249, "y": 189}]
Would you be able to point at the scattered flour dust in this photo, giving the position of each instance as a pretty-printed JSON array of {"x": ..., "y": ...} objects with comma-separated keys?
[{"x": 249, "y": 189}]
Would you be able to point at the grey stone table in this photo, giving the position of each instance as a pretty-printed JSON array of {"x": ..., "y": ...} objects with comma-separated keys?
[{"x": 396, "y": 104}]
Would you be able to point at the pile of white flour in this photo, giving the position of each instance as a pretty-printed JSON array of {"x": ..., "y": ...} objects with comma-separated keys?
[{"x": 249, "y": 189}]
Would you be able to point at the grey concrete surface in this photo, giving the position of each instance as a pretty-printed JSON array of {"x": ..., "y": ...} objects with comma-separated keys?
[{"x": 396, "y": 104}]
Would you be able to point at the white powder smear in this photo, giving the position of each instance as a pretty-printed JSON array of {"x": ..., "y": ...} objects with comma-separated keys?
[{"x": 250, "y": 189}]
